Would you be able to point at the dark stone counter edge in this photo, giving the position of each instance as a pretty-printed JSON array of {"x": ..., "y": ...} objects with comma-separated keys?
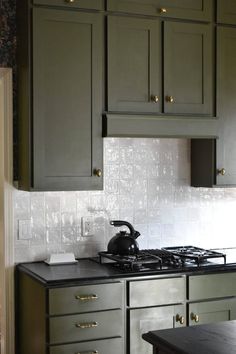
[{"x": 105, "y": 274}]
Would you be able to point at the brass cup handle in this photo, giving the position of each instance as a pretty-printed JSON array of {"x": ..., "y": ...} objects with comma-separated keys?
[
  {"x": 170, "y": 99},
  {"x": 163, "y": 10},
  {"x": 194, "y": 317},
  {"x": 221, "y": 171},
  {"x": 154, "y": 98},
  {"x": 89, "y": 297},
  {"x": 86, "y": 325},
  {"x": 93, "y": 352},
  {"x": 98, "y": 172},
  {"x": 179, "y": 319}
]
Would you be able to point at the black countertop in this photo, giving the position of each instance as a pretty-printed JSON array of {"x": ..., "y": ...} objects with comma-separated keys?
[
  {"x": 218, "y": 338},
  {"x": 91, "y": 269}
]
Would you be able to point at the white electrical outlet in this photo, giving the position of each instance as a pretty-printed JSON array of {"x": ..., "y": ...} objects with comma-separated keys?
[
  {"x": 24, "y": 230},
  {"x": 87, "y": 228}
]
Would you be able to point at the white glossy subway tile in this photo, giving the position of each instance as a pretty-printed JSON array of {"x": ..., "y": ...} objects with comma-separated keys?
[{"x": 146, "y": 182}]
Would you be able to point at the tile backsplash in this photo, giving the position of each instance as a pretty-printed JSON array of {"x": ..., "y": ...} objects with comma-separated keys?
[{"x": 146, "y": 182}]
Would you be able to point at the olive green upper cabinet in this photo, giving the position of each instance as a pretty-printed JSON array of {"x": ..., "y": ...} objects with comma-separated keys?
[
  {"x": 226, "y": 11},
  {"x": 81, "y": 4},
  {"x": 140, "y": 81},
  {"x": 188, "y": 69},
  {"x": 214, "y": 162},
  {"x": 134, "y": 64},
  {"x": 201, "y": 10},
  {"x": 61, "y": 137},
  {"x": 226, "y": 107}
]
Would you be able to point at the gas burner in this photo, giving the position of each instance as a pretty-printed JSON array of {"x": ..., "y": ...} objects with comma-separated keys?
[
  {"x": 166, "y": 258},
  {"x": 191, "y": 253}
]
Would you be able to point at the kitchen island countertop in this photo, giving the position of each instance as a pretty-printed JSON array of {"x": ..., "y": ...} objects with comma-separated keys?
[{"x": 218, "y": 338}]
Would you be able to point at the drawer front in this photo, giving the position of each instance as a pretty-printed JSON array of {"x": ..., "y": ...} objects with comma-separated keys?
[
  {"x": 212, "y": 286},
  {"x": 98, "y": 347},
  {"x": 87, "y": 326},
  {"x": 86, "y": 298},
  {"x": 157, "y": 292},
  {"x": 81, "y": 4},
  {"x": 186, "y": 9}
]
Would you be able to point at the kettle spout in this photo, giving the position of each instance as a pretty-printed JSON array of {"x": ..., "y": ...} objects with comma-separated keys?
[{"x": 136, "y": 234}]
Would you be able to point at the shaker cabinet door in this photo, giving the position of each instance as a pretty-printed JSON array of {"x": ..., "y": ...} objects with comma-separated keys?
[
  {"x": 134, "y": 65},
  {"x": 226, "y": 11},
  {"x": 150, "y": 319},
  {"x": 226, "y": 107},
  {"x": 67, "y": 99},
  {"x": 188, "y": 69},
  {"x": 212, "y": 312}
]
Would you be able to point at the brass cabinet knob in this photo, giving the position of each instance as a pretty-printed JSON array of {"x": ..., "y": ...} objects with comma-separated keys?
[
  {"x": 86, "y": 325},
  {"x": 170, "y": 99},
  {"x": 194, "y": 317},
  {"x": 154, "y": 98},
  {"x": 98, "y": 172},
  {"x": 221, "y": 171},
  {"x": 89, "y": 297},
  {"x": 70, "y": 1},
  {"x": 163, "y": 10},
  {"x": 179, "y": 319}
]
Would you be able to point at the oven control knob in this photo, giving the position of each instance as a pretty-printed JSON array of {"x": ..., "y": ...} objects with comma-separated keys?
[
  {"x": 194, "y": 317},
  {"x": 179, "y": 319}
]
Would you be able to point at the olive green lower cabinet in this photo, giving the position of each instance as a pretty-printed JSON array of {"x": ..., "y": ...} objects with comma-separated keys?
[
  {"x": 110, "y": 316},
  {"x": 214, "y": 298},
  {"x": 84, "y": 319}
]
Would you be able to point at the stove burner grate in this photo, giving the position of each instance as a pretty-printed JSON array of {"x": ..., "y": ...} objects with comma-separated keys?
[{"x": 199, "y": 255}]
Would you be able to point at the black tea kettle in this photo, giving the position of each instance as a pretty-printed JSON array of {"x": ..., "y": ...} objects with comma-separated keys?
[{"x": 123, "y": 243}]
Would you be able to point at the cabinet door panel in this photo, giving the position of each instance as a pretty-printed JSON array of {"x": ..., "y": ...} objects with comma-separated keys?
[
  {"x": 226, "y": 105},
  {"x": 133, "y": 64},
  {"x": 81, "y": 4},
  {"x": 67, "y": 76},
  {"x": 226, "y": 11},
  {"x": 188, "y": 69},
  {"x": 189, "y": 9},
  {"x": 150, "y": 319},
  {"x": 212, "y": 311}
]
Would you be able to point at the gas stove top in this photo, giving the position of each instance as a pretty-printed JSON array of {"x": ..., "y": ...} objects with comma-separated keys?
[{"x": 165, "y": 258}]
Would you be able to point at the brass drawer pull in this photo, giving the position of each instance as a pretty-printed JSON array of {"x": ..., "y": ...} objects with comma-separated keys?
[
  {"x": 194, "y": 317},
  {"x": 89, "y": 297},
  {"x": 86, "y": 325},
  {"x": 93, "y": 352},
  {"x": 179, "y": 319},
  {"x": 70, "y": 1}
]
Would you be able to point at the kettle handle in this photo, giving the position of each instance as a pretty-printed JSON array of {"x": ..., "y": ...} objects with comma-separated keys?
[{"x": 118, "y": 223}]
